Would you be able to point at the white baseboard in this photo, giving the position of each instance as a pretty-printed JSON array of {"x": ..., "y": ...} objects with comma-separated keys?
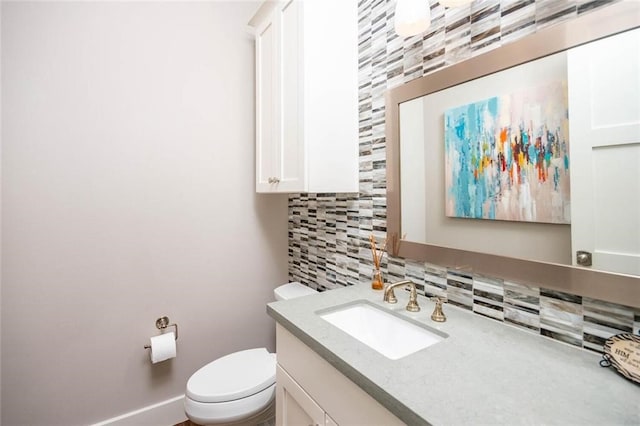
[{"x": 165, "y": 413}]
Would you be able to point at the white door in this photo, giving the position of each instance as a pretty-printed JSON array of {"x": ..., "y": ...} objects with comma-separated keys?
[{"x": 604, "y": 117}]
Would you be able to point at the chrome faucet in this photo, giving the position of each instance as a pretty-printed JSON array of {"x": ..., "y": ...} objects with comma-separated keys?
[{"x": 390, "y": 297}]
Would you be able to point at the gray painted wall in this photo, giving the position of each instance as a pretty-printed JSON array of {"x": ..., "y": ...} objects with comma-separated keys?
[{"x": 128, "y": 194}]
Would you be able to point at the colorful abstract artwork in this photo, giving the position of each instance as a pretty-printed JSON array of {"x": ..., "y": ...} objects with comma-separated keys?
[{"x": 507, "y": 157}]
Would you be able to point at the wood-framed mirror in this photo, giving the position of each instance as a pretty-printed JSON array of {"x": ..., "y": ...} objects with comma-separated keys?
[{"x": 458, "y": 253}]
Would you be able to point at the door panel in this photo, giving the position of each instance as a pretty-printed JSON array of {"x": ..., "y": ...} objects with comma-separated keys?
[
  {"x": 291, "y": 159},
  {"x": 604, "y": 117},
  {"x": 266, "y": 109}
]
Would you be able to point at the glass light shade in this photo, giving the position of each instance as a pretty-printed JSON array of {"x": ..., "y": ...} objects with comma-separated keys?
[
  {"x": 454, "y": 3},
  {"x": 412, "y": 17}
]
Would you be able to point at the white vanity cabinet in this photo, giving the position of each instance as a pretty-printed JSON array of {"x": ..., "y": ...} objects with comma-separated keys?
[
  {"x": 306, "y": 96},
  {"x": 309, "y": 391}
]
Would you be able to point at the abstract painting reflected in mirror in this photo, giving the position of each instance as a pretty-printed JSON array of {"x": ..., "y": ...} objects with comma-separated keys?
[{"x": 507, "y": 157}]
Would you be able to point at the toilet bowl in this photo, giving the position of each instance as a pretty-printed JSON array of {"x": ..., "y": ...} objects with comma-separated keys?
[{"x": 239, "y": 388}]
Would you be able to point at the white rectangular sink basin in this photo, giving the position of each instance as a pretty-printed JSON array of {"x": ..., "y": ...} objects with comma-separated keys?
[{"x": 388, "y": 334}]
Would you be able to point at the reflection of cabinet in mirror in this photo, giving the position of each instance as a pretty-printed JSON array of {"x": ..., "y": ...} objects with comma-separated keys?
[
  {"x": 427, "y": 97},
  {"x": 604, "y": 100},
  {"x": 306, "y": 105}
]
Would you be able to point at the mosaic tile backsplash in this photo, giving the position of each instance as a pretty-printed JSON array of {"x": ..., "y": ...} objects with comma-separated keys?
[{"x": 328, "y": 233}]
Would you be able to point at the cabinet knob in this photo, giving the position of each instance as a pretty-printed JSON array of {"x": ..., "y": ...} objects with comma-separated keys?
[
  {"x": 273, "y": 180},
  {"x": 584, "y": 258}
]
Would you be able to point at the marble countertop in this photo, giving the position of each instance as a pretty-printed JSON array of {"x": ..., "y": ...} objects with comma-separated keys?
[{"x": 485, "y": 372}]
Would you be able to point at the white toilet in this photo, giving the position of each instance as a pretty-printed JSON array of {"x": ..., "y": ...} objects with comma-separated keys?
[{"x": 239, "y": 388}]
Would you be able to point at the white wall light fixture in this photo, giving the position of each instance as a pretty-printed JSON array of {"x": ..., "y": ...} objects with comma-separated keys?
[
  {"x": 454, "y": 3},
  {"x": 412, "y": 17}
]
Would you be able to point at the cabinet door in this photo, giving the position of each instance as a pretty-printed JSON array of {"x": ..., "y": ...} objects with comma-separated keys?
[
  {"x": 604, "y": 88},
  {"x": 291, "y": 160},
  {"x": 267, "y": 81},
  {"x": 294, "y": 407},
  {"x": 280, "y": 161}
]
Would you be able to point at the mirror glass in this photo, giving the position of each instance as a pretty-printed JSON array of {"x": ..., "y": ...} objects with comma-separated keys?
[
  {"x": 422, "y": 156},
  {"x": 599, "y": 84}
]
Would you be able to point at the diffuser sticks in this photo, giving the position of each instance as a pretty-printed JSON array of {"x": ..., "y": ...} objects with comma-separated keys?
[{"x": 377, "y": 282}]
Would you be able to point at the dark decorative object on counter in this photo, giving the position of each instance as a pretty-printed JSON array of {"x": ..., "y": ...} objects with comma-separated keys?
[{"x": 622, "y": 352}]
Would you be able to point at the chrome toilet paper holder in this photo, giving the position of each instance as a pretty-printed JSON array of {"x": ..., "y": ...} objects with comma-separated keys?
[{"x": 161, "y": 324}]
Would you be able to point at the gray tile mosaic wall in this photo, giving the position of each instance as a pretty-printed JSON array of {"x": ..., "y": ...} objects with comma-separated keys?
[{"x": 328, "y": 233}]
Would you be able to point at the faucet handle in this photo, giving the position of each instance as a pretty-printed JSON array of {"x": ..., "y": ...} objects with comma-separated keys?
[
  {"x": 438, "y": 315},
  {"x": 413, "y": 306}
]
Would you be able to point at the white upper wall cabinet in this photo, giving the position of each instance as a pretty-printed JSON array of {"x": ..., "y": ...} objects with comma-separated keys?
[{"x": 306, "y": 96}]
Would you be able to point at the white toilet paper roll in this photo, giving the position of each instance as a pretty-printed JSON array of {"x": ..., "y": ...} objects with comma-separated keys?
[{"x": 163, "y": 347}]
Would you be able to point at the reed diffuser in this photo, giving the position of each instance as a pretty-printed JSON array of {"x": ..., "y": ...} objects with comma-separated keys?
[{"x": 377, "y": 283}]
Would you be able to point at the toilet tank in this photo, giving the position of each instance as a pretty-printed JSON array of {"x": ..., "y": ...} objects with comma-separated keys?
[{"x": 292, "y": 290}]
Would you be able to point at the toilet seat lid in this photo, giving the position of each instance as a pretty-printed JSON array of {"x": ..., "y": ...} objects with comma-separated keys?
[{"x": 234, "y": 376}]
